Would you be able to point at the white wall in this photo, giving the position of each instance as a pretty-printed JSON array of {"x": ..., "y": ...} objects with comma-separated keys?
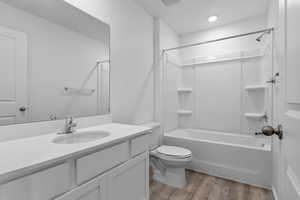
[
  {"x": 131, "y": 55},
  {"x": 217, "y": 95},
  {"x": 168, "y": 39},
  {"x": 169, "y": 71},
  {"x": 57, "y": 57},
  {"x": 226, "y": 46},
  {"x": 218, "y": 99}
]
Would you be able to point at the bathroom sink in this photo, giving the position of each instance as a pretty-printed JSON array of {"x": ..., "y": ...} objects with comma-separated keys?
[{"x": 80, "y": 137}]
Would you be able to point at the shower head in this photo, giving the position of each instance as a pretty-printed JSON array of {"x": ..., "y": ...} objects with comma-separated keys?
[
  {"x": 259, "y": 38},
  {"x": 170, "y": 2}
]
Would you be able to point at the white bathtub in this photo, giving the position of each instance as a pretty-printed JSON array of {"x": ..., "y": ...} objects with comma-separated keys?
[{"x": 246, "y": 159}]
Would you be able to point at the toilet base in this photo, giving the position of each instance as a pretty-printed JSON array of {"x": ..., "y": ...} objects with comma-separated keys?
[{"x": 173, "y": 176}]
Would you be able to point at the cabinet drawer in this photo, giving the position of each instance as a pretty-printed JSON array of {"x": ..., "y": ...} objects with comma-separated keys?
[
  {"x": 43, "y": 185},
  {"x": 140, "y": 144},
  {"x": 94, "y": 164}
]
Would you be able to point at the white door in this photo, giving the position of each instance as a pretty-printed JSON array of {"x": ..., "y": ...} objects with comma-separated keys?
[
  {"x": 13, "y": 75},
  {"x": 287, "y": 160},
  {"x": 130, "y": 181}
]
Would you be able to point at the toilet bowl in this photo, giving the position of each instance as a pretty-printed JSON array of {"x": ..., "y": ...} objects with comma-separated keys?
[{"x": 168, "y": 163}]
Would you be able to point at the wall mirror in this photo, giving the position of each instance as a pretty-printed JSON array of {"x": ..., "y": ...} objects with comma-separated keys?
[{"x": 54, "y": 62}]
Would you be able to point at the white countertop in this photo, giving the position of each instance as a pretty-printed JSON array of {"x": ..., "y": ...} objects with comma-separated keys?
[{"x": 19, "y": 157}]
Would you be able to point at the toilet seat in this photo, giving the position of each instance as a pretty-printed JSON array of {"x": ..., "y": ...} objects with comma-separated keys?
[{"x": 174, "y": 152}]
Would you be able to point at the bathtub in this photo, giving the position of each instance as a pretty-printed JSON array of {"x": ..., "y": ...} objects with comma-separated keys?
[{"x": 241, "y": 158}]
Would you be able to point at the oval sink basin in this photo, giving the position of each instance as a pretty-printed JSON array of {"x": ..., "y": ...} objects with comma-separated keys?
[{"x": 80, "y": 137}]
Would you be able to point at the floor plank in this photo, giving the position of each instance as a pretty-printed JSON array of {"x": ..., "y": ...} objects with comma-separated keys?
[{"x": 204, "y": 187}]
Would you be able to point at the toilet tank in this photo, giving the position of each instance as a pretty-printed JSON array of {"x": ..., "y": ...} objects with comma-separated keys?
[{"x": 156, "y": 135}]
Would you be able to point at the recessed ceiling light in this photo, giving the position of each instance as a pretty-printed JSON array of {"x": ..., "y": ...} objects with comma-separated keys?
[{"x": 213, "y": 18}]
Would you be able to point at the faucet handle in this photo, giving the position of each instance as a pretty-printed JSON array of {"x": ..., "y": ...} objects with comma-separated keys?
[
  {"x": 69, "y": 123},
  {"x": 72, "y": 123},
  {"x": 69, "y": 120}
]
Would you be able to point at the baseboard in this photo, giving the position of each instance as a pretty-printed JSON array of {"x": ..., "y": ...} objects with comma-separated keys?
[
  {"x": 227, "y": 172},
  {"x": 274, "y": 193}
]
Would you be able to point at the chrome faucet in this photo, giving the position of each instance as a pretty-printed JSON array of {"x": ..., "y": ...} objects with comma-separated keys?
[{"x": 69, "y": 127}]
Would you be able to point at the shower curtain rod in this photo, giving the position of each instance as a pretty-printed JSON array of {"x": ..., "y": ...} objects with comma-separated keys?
[{"x": 217, "y": 40}]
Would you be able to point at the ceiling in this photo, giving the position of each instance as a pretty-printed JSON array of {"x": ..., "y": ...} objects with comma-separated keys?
[{"x": 191, "y": 15}]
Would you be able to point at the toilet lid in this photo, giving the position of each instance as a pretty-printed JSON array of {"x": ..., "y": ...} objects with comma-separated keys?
[{"x": 174, "y": 151}]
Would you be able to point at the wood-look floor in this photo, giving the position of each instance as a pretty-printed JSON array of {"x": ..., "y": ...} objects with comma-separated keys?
[{"x": 204, "y": 187}]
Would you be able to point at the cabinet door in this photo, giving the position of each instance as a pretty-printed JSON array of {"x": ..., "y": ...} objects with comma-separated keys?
[
  {"x": 43, "y": 185},
  {"x": 130, "y": 180},
  {"x": 92, "y": 190}
]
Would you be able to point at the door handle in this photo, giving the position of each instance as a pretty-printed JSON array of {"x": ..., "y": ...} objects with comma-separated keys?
[
  {"x": 269, "y": 131},
  {"x": 22, "y": 109}
]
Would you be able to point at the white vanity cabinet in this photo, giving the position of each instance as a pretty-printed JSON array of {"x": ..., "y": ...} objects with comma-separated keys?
[
  {"x": 118, "y": 171},
  {"x": 130, "y": 181}
]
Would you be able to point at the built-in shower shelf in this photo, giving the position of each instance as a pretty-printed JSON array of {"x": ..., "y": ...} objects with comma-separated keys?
[
  {"x": 255, "y": 115},
  {"x": 184, "y": 112},
  {"x": 184, "y": 90},
  {"x": 255, "y": 87}
]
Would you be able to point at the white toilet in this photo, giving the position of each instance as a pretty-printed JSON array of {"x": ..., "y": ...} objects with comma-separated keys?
[
  {"x": 169, "y": 168},
  {"x": 168, "y": 162}
]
